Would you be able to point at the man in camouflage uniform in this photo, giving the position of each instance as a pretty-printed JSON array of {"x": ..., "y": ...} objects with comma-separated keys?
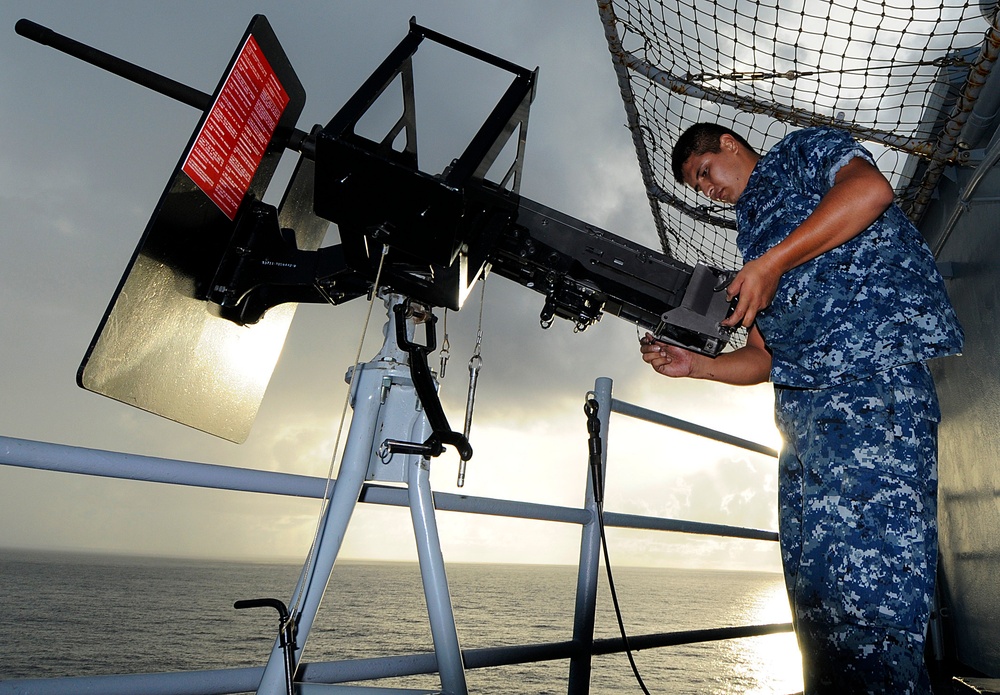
[{"x": 845, "y": 306}]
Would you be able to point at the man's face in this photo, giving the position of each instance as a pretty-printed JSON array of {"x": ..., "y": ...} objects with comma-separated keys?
[{"x": 721, "y": 176}]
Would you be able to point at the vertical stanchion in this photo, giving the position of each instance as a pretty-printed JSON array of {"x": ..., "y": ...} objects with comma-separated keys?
[{"x": 590, "y": 560}]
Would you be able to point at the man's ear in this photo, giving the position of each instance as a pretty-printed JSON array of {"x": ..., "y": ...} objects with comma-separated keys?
[{"x": 728, "y": 143}]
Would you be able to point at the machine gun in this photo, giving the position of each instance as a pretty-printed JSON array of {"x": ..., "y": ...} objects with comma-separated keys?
[{"x": 215, "y": 259}]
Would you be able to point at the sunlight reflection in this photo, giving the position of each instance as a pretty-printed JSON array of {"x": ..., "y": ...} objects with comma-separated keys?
[{"x": 770, "y": 664}]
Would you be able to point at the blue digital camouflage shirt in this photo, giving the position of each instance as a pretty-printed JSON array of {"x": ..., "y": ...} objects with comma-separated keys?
[{"x": 873, "y": 303}]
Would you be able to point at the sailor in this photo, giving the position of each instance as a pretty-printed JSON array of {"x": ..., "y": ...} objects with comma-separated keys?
[{"x": 844, "y": 306}]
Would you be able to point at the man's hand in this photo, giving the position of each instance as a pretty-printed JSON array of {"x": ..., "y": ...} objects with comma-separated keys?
[
  {"x": 755, "y": 285},
  {"x": 750, "y": 364},
  {"x": 665, "y": 359}
]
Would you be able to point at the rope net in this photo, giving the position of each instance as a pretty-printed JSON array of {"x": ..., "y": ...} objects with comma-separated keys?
[{"x": 894, "y": 73}]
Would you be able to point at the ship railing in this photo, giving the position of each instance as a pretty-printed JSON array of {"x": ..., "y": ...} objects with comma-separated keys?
[{"x": 579, "y": 650}]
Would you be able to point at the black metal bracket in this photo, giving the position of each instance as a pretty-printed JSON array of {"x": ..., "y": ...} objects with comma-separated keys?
[
  {"x": 440, "y": 227},
  {"x": 423, "y": 383},
  {"x": 262, "y": 268}
]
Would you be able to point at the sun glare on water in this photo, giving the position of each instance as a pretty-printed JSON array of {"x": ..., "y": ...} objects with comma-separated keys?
[{"x": 770, "y": 664}]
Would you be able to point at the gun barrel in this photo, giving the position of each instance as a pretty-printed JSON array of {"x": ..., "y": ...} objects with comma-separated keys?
[{"x": 134, "y": 73}]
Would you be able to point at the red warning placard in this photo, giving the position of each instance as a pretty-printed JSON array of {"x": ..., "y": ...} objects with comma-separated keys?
[{"x": 237, "y": 130}]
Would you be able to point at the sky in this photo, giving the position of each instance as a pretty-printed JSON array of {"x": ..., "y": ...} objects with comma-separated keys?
[{"x": 84, "y": 156}]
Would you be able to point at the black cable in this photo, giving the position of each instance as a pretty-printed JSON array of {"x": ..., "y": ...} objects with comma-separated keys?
[{"x": 594, "y": 428}]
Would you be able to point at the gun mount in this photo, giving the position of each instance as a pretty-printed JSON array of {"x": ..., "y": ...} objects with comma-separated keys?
[{"x": 216, "y": 260}]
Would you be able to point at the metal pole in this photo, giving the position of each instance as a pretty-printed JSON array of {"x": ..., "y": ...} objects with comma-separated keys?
[
  {"x": 656, "y": 418},
  {"x": 439, "y": 609},
  {"x": 590, "y": 560},
  {"x": 130, "y": 71}
]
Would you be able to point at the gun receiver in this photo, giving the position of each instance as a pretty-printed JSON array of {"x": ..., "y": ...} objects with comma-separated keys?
[
  {"x": 582, "y": 271},
  {"x": 585, "y": 271}
]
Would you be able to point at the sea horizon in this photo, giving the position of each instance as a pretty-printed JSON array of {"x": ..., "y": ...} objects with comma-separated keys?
[
  {"x": 298, "y": 562},
  {"x": 78, "y": 613}
]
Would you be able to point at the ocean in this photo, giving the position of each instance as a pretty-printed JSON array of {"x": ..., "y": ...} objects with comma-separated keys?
[{"x": 67, "y": 614}]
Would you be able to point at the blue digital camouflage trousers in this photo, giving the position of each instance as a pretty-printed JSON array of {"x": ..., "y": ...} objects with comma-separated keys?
[{"x": 858, "y": 527}]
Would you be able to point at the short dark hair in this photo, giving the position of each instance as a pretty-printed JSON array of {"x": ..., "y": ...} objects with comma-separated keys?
[{"x": 699, "y": 139}]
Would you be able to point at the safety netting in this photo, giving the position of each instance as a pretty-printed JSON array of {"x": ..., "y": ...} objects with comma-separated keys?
[{"x": 901, "y": 75}]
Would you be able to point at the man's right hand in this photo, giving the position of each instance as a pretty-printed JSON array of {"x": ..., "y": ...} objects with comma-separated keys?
[
  {"x": 750, "y": 364},
  {"x": 665, "y": 359}
]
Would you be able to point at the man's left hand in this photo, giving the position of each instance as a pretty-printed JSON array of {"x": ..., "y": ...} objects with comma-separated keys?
[{"x": 755, "y": 285}]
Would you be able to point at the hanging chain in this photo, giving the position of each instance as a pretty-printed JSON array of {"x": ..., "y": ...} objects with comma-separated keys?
[
  {"x": 445, "y": 346},
  {"x": 475, "y": 364},
  {"x": 590, "y": 409}
]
